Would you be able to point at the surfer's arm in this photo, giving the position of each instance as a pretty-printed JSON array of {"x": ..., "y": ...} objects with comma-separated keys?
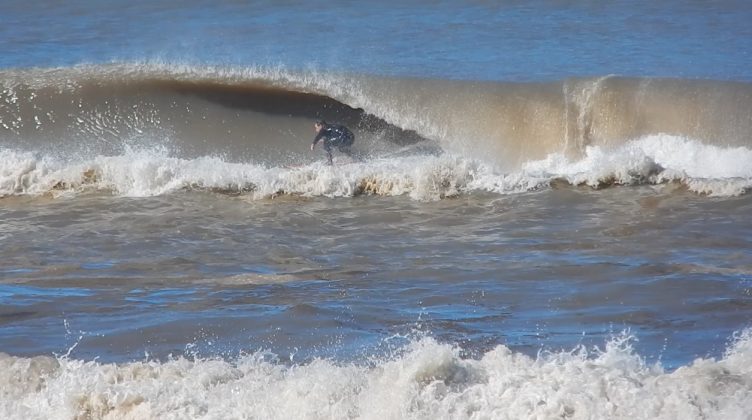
[{"x": 317, "y": 138}]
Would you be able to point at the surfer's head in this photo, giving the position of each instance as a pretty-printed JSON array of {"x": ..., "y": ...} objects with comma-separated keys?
[{"x": 319, "y": 124}]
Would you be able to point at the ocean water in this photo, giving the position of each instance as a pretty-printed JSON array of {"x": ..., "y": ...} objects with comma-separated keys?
[{"x": 546, "y": 216}]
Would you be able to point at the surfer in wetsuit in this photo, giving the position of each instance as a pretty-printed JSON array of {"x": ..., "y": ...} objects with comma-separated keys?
[{"x": 333, "y": 135}]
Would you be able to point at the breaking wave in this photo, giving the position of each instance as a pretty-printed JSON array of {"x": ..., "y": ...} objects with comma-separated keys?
[
  {"x": 424, "y": 380},
  {"x": 149, "y": 129}
]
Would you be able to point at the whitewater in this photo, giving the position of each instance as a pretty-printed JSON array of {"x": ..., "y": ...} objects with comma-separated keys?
[
  {"x": 425, "y": 380},
  {"x": 657, "y": 159}
]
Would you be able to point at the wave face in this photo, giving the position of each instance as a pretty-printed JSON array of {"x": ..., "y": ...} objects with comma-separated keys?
[
  {"x": 425, "y": 380},
  {"x": 167, "y": 127}
]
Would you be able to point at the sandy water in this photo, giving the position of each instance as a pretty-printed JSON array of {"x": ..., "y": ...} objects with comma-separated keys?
[
  {"x": 618, "y": 303},
  {"x": 303, "y": 277}
]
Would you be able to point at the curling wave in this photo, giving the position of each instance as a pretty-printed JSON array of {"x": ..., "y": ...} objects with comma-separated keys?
[
  {"x": 148, "y": 129},
  {"x": 264, "y": 114}
]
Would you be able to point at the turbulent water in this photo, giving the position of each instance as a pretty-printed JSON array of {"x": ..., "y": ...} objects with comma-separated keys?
[{"x": 545, "y": 216}]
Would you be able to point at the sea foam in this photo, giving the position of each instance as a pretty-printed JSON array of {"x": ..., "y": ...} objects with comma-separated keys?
[
  {"x": 426, "y": 379},
  {"x": 138, "y": 172}
]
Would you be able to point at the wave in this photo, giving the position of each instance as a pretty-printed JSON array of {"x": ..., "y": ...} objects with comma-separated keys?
[
  {"x": 139, "y": 172},
  {"x": 208, "y": 110},
  {"x": 426, "y": 379},
  {"x": 148, "y": 129},
  {"x": 257, "y": 115}
]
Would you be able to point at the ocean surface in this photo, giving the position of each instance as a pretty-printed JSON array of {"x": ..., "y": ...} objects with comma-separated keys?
[{"x": 547, "y": 215}]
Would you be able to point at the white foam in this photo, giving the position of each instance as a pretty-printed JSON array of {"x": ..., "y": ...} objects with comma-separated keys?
[
  {"x": 425, "y": 381},
  {"x": 661, "y": 158},
  {"x": 148, "y": 171}
]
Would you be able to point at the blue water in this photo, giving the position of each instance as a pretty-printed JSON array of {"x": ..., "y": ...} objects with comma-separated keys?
[{"x": 509, "y": 40}]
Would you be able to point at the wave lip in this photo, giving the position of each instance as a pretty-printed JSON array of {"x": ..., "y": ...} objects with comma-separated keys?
[{"x": 425, "y": 380}]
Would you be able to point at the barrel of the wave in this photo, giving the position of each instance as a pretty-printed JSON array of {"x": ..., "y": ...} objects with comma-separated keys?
[{"x": 509, "y": 124}]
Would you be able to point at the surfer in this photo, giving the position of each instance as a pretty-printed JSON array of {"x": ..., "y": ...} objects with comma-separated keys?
[{"x": 333, "y": 135}]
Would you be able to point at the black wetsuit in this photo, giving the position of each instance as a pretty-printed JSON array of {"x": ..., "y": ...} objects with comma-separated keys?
[{"x": 334, "y": 135}]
